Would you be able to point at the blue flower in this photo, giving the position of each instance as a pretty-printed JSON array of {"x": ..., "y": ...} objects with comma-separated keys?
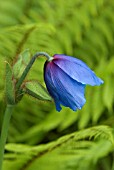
[{"x": 66, "y": 78}]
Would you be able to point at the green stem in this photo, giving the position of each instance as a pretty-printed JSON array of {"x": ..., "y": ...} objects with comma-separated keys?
[
  {"x": 113, "y": 161},
  {"x": 4, "y": 131},
  {"x": 20, "y": 81}
]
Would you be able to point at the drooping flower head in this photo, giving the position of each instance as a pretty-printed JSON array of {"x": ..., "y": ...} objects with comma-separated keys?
[{"x": 66, "y": 78}]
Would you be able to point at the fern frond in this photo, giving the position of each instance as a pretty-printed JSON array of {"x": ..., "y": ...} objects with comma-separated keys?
[{"x": 74, "y": 147}]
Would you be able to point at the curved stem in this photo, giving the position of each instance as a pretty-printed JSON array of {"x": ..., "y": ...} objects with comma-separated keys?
[
  {"x": 4, "y": 131},
  {"x": 49, "y": 58}
]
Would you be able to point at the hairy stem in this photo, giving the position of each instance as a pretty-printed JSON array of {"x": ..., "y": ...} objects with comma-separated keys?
[
  {"x": 4, "y": 131},
  {"x": 23, "y": 76}
]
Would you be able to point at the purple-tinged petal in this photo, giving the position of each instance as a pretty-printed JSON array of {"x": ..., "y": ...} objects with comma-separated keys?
[
  {"x": 50, "y": 86},
  {"x": 66, "y": 78},
  {"x": 77, "y": 70},
  {"x": 70, "y": 92}
]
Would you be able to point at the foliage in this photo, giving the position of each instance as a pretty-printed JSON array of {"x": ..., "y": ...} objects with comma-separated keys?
[
  {"x": 64, "y": 153},
  {"x": 78, "y": 28}
]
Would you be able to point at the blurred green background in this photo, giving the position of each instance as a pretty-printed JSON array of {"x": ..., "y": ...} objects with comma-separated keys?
[{"x": 79, "y": 28}]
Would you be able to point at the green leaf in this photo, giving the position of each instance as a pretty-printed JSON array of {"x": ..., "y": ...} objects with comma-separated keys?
[
  {"x": 9, "y": 86},
  {"x": 68, "y": 149},
  {"x": 97, "y": 104},
  {"x": 108, "y": 95},
  {"x": 21, "y": 63},
  {"x": 110, "y": 66},
  {"x": 18, "y": 148},
  {"x": 36, "y": 90},
  {"x": 84, "y": 117}
]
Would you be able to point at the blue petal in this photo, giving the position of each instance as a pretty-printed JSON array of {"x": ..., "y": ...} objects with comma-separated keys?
[
  {"x": 77, "y": 70},
  {"x": 70, "y": 92},
  {"x": 50, "y": 86}
]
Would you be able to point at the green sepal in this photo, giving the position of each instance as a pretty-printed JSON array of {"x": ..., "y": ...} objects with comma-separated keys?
[
  {"x": 20, "y": 93},
  {"x": 36, "y": 90},
  {"x": 9, "y": 86},
  {"x": 21, "y": 63}
]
